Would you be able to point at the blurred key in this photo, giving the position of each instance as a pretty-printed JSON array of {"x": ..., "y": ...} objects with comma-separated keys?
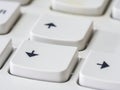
[
  {"x": 9, "y": 12},
  {"x": 85, "y": 7},
  {"x": 5, "y": 50},
  {"x": 22, "y": 2},
  {"x": 116, "y": 10}
]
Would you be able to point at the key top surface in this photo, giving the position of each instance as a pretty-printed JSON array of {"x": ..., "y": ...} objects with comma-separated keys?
[
  {"x": 101, "y": 71},
  {"x": 85, "y": 7},
  {"x": 62, "y": 30},
  {"x": 9, "y": 12},
  {"x": 44, "y": 61}
]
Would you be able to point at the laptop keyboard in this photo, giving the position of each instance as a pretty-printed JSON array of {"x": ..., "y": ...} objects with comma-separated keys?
[{"x": 59, "y": 44}]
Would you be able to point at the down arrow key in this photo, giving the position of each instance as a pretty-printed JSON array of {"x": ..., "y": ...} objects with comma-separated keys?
[{"x": 31, "y": 54}]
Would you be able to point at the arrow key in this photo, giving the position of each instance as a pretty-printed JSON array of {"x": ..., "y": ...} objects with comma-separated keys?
[
  {"x": 50, "y": 25},
  {"x": 31, "y": 54},
  {"x": 103, "y": 65},
  {"x": 101, "y": 71},
  {"x": 43, "y": 61},
  {"x": 62, "y": 30}
]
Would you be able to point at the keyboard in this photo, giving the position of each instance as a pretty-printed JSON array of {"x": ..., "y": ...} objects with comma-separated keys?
[{"x": 59, "y": 44}]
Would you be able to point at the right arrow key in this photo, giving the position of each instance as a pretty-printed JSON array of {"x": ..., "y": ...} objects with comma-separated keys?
[
  {"x": 101, "y": 71},
  {"x": 103, "y": 65}
]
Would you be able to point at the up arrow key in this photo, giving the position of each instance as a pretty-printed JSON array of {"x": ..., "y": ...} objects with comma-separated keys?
[
  {"x": 50, "y": 25},
  {"x": 31, "y": 54}
]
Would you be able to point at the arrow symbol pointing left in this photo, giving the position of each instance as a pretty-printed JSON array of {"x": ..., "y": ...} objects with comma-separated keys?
[{"x": 31, "y": 54}]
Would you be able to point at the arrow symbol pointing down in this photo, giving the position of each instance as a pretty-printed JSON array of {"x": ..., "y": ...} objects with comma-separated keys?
[{"x": 31, "y": 54}]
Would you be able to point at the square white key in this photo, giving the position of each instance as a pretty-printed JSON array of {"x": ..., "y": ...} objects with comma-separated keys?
[
  {"x": 69, "y": 31},
  {"x": 22, "y": 2},
  {"x": 9, "y": 12},
  {"x": 44, "y": 61},
  {"x": 101, "y": 71},
  {"x": 85, "y": 7}
]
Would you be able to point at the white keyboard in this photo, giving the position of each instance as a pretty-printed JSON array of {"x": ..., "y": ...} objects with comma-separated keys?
[{"x": 59, "y": 44}]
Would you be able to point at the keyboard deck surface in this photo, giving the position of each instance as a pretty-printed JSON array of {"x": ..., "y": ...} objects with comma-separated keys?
[{"x": 105, "y": 30}]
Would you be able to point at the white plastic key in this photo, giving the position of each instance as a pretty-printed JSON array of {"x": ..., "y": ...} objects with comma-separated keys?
[
  {"x": 44, "y": 61},
  {"x": 62, "y": 30},
  {"x": 85, "y": 7},
  {"x": 5, "y": 50},
  {"x": 9, "y": 12},
  {"x": 101, "y": 71},
  {"x": 23, "y": 2},
  {"x": 116, "y": 10}
]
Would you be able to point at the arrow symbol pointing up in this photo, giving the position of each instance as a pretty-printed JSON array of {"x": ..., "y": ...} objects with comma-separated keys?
[
  {"x": 103, "y": 65},
  {"x": 50, "y": 25},
  {"x": 31, "y": 54}
]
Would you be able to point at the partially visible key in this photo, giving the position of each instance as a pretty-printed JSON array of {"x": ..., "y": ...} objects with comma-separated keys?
[
  {"x": 116, "y": 10},
  {"x": 5, "y": 50},
  {"x": 85, "y": 7},
  {"x": 22, "y": 2},
  {"x": 44, "y": 61},
  {"x": 9, "y": 12},
  {"x": 68, "y": 31},
  {"x": 101, "y": 71}
]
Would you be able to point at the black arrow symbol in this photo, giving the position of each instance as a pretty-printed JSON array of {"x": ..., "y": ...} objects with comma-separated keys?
[
  {"x": 50, "y": 25},
  {"x": 103, "y": 65},
  {"x": 31, "y": 54}
]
